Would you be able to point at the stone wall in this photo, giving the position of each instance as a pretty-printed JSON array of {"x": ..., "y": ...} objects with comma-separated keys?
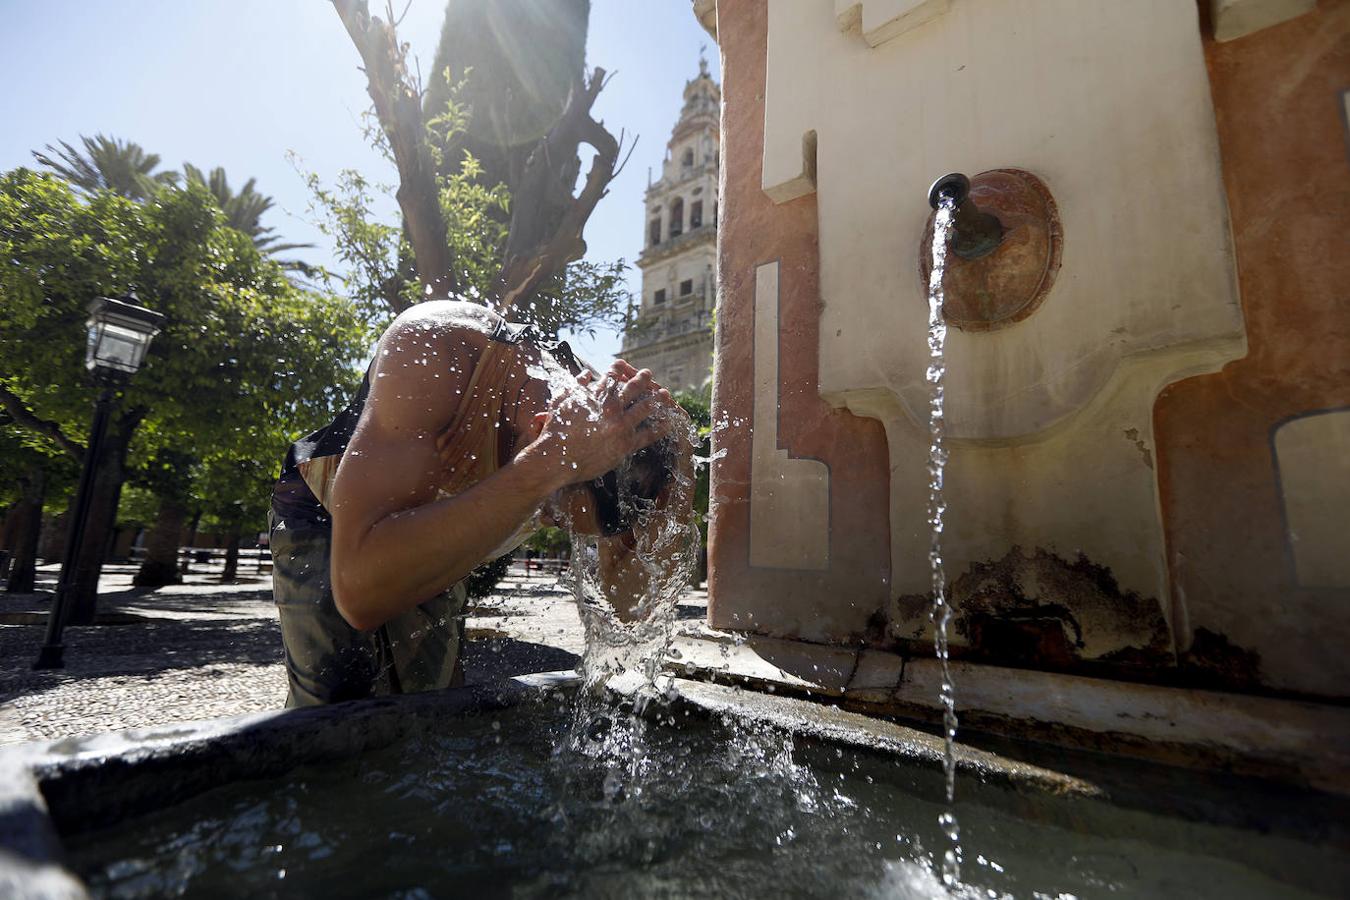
[
  {"x": 1195, "y": 542},
  {"x": 759, "y": 581},
  {"x": 1254, "y": 460}
]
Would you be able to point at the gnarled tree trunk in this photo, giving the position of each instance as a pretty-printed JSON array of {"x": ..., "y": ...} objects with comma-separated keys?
[
  {"x": 160, "y": 566},
  {"x": 26, "y": 520},
  {"x": 231, "y": 570},
  {"x": 109, "y": 472},
  {"x": 546, "y": 225}
]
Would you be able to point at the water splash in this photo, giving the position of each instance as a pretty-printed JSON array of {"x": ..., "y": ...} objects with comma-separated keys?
[
  {"x": 628, "y": 589},
  {"x": 941, "y": 613}
]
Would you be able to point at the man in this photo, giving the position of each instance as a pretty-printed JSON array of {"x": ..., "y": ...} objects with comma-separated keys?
[{"x": 442, "y": 461}]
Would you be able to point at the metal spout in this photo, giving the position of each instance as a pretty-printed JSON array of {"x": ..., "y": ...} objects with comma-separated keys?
[{"x": 974, "y": 233}]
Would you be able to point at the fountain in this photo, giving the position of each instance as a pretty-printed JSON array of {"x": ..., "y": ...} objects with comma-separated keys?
[
  {"x": 1144, "y": 481},
  {"x": 1132, "y": 461}
]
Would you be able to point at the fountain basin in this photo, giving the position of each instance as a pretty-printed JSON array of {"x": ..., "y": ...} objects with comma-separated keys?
[{"x": 732, "y": 793}]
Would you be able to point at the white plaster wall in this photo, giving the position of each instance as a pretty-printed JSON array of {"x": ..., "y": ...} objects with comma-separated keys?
[
  {"x": 1313, "y": 455},
  {"x": 1049, "y": 419},
  {"x": 789, "y": 498}
]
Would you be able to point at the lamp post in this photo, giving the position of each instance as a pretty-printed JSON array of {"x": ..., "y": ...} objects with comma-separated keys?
[{"x": 120, "y": 332}]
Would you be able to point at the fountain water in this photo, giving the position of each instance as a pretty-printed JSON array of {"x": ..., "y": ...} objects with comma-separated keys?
[
  {"x": 937, "y": 461},
  {"x": 627, "y": 588}
]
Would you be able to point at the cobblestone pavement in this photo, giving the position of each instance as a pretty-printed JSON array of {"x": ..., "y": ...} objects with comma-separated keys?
[
  {"x": 186, "y": 652},
  {"x": 202, "y": 650}
]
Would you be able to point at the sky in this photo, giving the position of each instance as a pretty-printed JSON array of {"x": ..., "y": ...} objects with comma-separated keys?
[{"x": 239, "y": 83}]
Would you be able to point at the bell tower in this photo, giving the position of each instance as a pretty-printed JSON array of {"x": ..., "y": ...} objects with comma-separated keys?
[{"x": 670, "y": 330}]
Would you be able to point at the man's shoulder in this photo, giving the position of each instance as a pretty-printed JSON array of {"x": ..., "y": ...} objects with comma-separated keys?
[
  {"x": 445, "y": 318},
  {"x": 424, "y": 361}
]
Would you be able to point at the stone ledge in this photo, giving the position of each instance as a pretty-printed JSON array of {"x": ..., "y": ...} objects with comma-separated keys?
[
  {"x": 81, "y": 783},
  {"x": 92, "y": 781},
  {"x": 864, "y": 733},
  {"x": 1305, "y": 745}
]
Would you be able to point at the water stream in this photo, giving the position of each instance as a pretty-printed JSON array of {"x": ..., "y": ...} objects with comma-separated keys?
[{"x": 937, "y": 508}]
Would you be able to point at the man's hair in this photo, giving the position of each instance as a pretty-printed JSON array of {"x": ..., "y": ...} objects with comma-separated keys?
[{"x": 622, "y": 493}]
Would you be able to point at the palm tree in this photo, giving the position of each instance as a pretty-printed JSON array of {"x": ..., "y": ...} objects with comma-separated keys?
[
  {"x": 108, "y": 164},
  {"x": 244, "y": 211}
]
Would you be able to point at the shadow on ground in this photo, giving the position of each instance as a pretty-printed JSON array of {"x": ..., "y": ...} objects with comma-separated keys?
[
  {"x": 162, "y": 647},
  {"x": 144, "y": 649},
  {"x": 489, "y": 659}
]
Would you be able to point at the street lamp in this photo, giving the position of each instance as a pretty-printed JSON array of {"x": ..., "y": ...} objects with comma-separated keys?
[{"x": 120, "y": 332}]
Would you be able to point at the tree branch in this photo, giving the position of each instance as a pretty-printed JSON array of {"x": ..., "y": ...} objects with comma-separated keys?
[
  {"x": 23, "y": 416},
  {"x": 398, "y": 106},
  {"x": 534, "y": 255}
]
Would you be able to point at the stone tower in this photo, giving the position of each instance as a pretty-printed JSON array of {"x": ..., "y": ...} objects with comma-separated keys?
[{"x": 670, "y": 332}]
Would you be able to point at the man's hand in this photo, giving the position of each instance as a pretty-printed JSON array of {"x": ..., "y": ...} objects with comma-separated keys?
[{"x": 590, "y": 430}]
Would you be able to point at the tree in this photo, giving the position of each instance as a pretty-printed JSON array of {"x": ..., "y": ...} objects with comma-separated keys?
[
  {"x": 30, "y": 474},
  {"x": 109, "y": 164},
  {"x": 244, "y": 211},
  {"x": 240, "y": 341},
  {"x": 699, "y": 407},
  {"x": 286, "y": 363},
  {"x": 519, "y": 208}
]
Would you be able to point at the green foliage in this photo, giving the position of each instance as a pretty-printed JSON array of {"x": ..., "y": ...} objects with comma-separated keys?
[
  {"x": 375, "y": 256},
  {"x": 592, "y": 296},
  {"x": 137, "y": 508},
  {"x": 245, "y": 362},
  {"x": 20, "y": 451},
  {"x": 476, "y": 214},
  {"x": 699, "y": 407},
  {"x": 550, "y": 540},
  {"x": 378, "y": 269},
  {"x": 108, "y": 164}
]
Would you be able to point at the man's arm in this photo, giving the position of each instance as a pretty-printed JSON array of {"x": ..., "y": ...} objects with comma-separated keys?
[{"x": 395, "y": 543}]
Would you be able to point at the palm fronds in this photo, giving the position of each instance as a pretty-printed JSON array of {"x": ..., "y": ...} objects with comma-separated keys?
[{"x": 107, "y": 164}]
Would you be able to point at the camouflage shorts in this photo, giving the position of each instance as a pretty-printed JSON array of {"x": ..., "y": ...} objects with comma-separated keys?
[{"x": 328, "y": 661}]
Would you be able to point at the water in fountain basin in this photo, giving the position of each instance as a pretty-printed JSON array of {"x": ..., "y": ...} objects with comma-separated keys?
[
  {"x": 937, "y": 508},
  {"x": 728, "y": 809}
]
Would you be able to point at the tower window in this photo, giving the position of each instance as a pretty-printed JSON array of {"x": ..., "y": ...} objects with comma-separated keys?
[
  {"x": 654, "y": 231},
  {"x": 659, "y": 296},
  {"x": 696, "y": 214},
  {"x": 677, "y": 217},
  {"x": 686, "y": 287},
  {"x": 688, "y": 158}
]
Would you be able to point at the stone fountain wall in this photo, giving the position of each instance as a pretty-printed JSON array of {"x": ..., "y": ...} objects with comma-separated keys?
[{"x": 1147, "y": 471}]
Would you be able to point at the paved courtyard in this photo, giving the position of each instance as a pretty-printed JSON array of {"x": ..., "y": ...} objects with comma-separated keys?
[{"x": 202, "y": 650}]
